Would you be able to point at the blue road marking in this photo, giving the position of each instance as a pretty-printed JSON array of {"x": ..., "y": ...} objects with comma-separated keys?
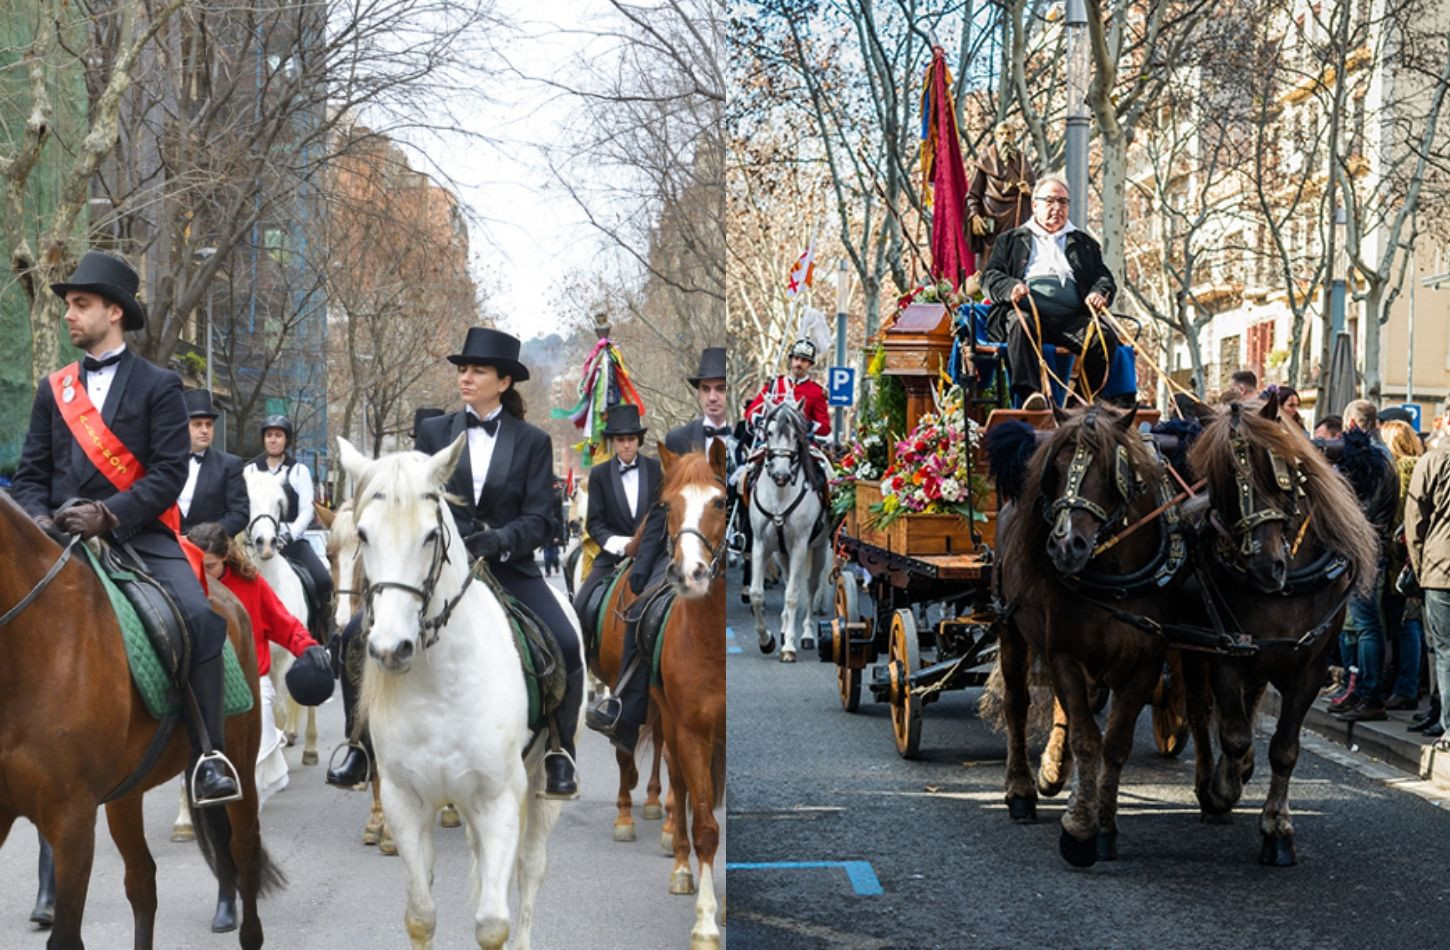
[
  {"x": 863, "y": 879},
  {"x": 730, "y": 645}
]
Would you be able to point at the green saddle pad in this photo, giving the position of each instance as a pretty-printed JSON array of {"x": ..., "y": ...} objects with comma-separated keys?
[
  {"x": 147, "y": 671},
  {"x": 596, "y": 628}
]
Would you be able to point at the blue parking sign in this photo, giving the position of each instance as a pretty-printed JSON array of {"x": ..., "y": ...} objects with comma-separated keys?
[
  {"x": 1413, "y": 408},
  {"x": 841, "y": 385}
]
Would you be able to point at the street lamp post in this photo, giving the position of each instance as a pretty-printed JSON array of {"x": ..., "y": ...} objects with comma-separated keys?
[
  {"x": 1078, "y": 70},
  {"x": 843, "y": 300}
]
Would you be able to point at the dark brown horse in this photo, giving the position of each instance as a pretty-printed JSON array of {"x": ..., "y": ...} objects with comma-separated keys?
[
  {"x": 74, "y": 728},
  {"x": 1286, "y": 545},
  {"x": 1065, "y": 589},
  {"x": 691, "y": 696}
]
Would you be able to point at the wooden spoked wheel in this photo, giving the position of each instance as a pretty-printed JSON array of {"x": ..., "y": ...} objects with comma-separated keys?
[
  {"x": 1170, "y": 710},
  {"x": 848, "y": 680},
  {"x": 904, "y": 659}
]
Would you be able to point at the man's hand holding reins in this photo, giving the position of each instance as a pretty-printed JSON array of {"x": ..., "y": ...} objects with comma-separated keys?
[{"x": 87, "y": 519}]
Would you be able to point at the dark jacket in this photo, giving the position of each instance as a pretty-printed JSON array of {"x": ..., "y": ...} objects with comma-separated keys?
[
  {"x": 518, "y": 491},
  {"x": 689, "y": 437},
  {"x": 220, "y": 494},
  {"x": 1427, "y": 520},
  {"x": 1366, "y": 463},
  {"x": 146, "y": 411},
  {"x": 1009, "y": 262},
  {"x": 609, "y": 508}
]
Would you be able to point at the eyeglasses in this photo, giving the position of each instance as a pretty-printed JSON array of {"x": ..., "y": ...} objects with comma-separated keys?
[{"x": 1064, "y": 202}]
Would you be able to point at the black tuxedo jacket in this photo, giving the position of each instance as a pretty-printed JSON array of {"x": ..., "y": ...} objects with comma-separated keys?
[
  {"x": 518, "y": 490},
  {"x": 220, "y": 494},
  {"x": 145, "y": 409},
  {"x": 689, "y": 437},
  {"x": 1009, "y": 262},
  {"x": 609, "y": 507}
]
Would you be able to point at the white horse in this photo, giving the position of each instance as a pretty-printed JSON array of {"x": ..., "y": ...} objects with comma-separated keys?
[
  {"x": 268, "y": 503},
  {"x": 445, "y": 698},
  {"x": 786, "y": 519}
]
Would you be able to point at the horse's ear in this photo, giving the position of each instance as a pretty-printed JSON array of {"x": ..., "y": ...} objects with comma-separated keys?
[
  {"x": 324, "y": 514},
  {"x": 1060, "y": 414},
  {"x": 1191, "y": 407},
  {"x": 443, "y": 462},
  {"x": 717, "y": 456},
  {"x": 1125, "y": 421},
  {"x": 667, "y": 458},
  {"x": 353, "y": 461},
  {"x": 1271, "y": 405}
]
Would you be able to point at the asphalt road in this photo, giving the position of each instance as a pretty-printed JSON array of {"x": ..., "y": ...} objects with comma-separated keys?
[
  {"x": 597, "y": 895},
  {"x": 810, "y": 783}
]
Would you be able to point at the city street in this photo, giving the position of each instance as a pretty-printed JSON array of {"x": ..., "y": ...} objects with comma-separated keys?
[
  {"x": 921, "y": 854},
  {"x": 597, "y": 895}
]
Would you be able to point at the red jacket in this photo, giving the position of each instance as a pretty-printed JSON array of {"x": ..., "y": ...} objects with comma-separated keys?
[
  {"x": 807, "y": 390},
  {"x": 270, "y": 619}
]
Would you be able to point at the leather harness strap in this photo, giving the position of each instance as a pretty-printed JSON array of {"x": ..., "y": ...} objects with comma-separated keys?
[{"x": 38, "y": 589}]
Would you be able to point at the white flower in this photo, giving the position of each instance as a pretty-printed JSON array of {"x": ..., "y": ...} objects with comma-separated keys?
[{"x": 951, "y": 490}]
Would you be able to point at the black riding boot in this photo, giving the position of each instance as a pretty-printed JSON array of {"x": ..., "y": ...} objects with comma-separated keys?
[
  {"x": 44, "y": 912},
  {"x": 352, "y": 772},
  {"x": 225, "y": 918},
  {"x": 214, "y": 781},
  {"x": 560, "y": 780}
]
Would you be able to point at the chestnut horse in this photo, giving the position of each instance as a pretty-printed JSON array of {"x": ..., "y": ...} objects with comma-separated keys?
[
  {"x": 1091, "y": 479},
  {"x": 691, "y": 692},
  {"x": 74, "y": 728},
  {"x": 1287, "y": 545}
]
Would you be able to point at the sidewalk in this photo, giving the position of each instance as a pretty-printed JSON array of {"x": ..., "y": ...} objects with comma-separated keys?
[{"x": 1387, "y": 741}]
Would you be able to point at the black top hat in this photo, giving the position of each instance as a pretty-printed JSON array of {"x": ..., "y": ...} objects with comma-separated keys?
[
  {"x": 1396, "y": 414},
  {"x": 623, "y": 419},
  {"x": 422, "y": 415},
  {"x": 712, "y": 365},
  {"x": 309, "y": 682},
  {"x": 198, "y": 404},
  {"x": 488, "y": 347},
  {"x": 108, "y": 277}
]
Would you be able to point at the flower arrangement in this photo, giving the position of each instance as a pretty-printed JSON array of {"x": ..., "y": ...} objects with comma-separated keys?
[
  {"x": 880, "y": 420},
  {"x": 931, "y": 473}
]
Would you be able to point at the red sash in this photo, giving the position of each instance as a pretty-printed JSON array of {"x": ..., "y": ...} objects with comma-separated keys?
[{"x": 107, "y": 453}]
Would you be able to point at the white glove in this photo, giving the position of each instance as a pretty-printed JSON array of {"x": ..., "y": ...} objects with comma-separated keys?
[{"x": 616, "y": 545}]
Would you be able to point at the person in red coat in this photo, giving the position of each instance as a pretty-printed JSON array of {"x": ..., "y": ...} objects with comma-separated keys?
[{"x": 798, "y": 383}]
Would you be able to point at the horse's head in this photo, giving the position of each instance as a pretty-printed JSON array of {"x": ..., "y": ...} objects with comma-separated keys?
[
  {"x": 411, "y": 552},
  {"x": 694, "y": 496},
  {"x": 344, "y": 560},
  {"x": 786, "y": 441},
  {"x": 1255, "y": 471},
  {"x": 1092, "y": 468},
  {"x": 268, "y": 502}
]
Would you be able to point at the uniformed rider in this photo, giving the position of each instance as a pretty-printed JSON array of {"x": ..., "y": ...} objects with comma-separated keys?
[{"x": 278, "y": 461}]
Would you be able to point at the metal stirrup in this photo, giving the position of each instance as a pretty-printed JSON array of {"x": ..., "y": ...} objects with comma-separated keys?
[{"x": 214, "y": 756}]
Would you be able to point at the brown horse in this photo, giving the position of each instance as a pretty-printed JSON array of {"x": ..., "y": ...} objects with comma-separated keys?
[
  {"x": 74, "y": 728},
  {"x": 691, "y": 694},
  {"x": 1286, "y": 546},
  {"x": 603, "y": 664},
  {"x": 1091, "y": 478}
]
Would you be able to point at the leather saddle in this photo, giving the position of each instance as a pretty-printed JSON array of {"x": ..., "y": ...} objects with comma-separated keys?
[
  {"x": 545, "y": 674},
  {"x": 596, "y": 600},
  {"x": 317, "y": 612},
  {"x": 160, "y": 618}
]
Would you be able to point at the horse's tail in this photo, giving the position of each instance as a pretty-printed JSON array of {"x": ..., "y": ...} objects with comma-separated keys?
[
  {"x": 992, "y": 706},
  {"x": 214, "y": 837}
]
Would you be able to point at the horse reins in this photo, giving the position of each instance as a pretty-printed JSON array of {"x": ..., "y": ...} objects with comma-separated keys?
[
  {"x": 428, "y": 627},
  {"x": 39, "y": 588}
]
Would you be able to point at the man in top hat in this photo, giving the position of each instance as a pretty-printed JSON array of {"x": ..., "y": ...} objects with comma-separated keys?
[
  {"x": 133, "y": 411},
  {"x": 503, "y": 488},
  {"x": 697, "y": 435},
  {"x": 621, "y": 492},
  {"x": 214, "y": 489},
  {"x": 797, "y": 383}
]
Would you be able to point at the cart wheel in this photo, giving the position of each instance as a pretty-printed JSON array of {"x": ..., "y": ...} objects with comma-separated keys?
[
  {"x": 905, "y": 659},
  {"x": 848, "y": 681},
  {"x": 1170, "y": 712}
]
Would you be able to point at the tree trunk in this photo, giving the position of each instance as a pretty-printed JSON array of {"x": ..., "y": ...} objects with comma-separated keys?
[
  {"x": 1113, "y": 176},
  {"x": 1373, "y": 301}
]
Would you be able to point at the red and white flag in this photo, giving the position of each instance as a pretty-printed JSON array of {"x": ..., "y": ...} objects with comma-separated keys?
[{"x": 803, "y": 272}]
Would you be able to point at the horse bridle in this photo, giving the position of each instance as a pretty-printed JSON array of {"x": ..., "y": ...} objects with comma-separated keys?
[
  {"x": 1127, "y": 481},
  {"x": 267, "y": 516},
  {"x": 428, "y": 627},
  {"x": 717, "y": 551},
  {"x": 793, "y": 455},
  {"x": 1289, "y": 477}
]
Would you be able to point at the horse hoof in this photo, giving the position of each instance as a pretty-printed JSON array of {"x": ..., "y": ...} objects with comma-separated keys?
[
  {"x": 787, "y": 656},
  {"x": 386, "y": 845},
  {"x": 1080, "y": 854},
  {"x": 667, "y": 841},
  {"x": 767, "y": 646},
  {"x": 1050, "y": 789},
  {"x": 309, "y": 758},
  {"x": 289, "y": 738},
  {"x": 370, "y": 837},
  {"x": 1107, "y": 846},
  {"x": 1278, "y": 852},
  {"x": 808, "y": 643},
  {"x": 183, "y": 833},
  {"x": 449, "y": 817},
  {"x": 653, "y": 812},
  {"x": 704, "y": 942},
  {"x": 1022, "y": 809},
  {"x": 682, "y": 882},
  {"x": 624, "y": 832}
]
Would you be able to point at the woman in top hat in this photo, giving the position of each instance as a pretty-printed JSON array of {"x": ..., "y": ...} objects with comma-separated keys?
[
  {"x": 278, "y": 461},
  {"x": 504, "y": 484}
]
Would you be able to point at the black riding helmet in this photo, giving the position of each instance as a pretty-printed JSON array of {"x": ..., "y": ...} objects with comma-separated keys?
[{"x": 277, "y": 421}]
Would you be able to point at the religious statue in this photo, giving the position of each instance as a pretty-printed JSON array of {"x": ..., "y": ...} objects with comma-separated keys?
[{"x": 1000, "y": 197}]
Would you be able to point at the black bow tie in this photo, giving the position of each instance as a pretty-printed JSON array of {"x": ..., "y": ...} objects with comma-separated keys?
[
  {"x": 199, "y": 457},
  {"x": 711, "y": 431},
  {"x": 92, "y": 364},
  {"x": 488, "y": 425},
  {"x": 626, "y": 468}
]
